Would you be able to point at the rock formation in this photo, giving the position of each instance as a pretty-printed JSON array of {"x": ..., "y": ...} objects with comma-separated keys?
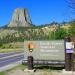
[{"x": 20, "y": 18}]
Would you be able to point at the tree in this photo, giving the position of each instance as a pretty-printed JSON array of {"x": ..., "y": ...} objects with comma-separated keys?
[
  {"x": 71, "y": 3},
  {"x": 72, "y": 28},
  {"x": 60, "y": 33}
]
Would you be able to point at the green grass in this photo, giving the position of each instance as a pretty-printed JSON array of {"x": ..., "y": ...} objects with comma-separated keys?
[
  {"x": 41, "y": 68},
  {"x": 22, "y": 67},
  {"x": 2, "y": 73},
  {"x": 10, "y": 50}
]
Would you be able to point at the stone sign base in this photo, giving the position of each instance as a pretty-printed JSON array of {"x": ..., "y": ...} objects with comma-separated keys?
[{"x": 27, "y": 70}]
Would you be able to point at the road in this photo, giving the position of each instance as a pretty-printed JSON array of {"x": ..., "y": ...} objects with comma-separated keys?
[
  {"x": 8, "y": 54},
  {"x": 10, "y": 58}
]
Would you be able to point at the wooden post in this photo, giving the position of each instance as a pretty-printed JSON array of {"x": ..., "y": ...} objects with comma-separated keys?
[
  {"x": 73, "y": 61},
  {"x": 30, "y": 62},
  {"x": 68, "y": 55}
]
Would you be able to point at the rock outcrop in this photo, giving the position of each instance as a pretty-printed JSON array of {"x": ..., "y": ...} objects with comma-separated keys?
[{"x": 20, "y": 18}]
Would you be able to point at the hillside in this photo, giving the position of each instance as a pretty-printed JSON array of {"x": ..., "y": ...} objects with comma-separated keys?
[
  {"x": 31, "y": 33},
  {"x": 21, "y": 28}
]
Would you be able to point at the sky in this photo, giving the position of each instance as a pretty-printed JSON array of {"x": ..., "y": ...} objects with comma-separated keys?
[{"x": 40, "y": 11}]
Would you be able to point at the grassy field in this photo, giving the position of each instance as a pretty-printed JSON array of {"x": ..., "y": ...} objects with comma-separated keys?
[
  {"x": 22, "y": 67},
  {"x": 40, "y": 69},
  {"x": 2, "y": 73},
  {"x": 10, "y": 50}
]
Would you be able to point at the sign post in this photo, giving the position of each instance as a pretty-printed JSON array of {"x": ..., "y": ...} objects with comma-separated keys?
[
  {"x": 30, "y": 58},
  {"x": 68, "y": 54},
  {"x": 30, "y": 62}
]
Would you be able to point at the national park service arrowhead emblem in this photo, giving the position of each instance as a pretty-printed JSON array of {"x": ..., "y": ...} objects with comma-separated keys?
[{"x": 30, "y": 46}]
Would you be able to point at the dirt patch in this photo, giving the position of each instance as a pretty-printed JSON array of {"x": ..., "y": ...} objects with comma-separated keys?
[
  {"x": 38, "y": 72},
  {"x": 16, "y": 72}
]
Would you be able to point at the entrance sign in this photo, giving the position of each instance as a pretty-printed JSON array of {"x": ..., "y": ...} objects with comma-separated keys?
[
  {"x": 55, "y": 52},
  {"x": 46, "y": 50}
]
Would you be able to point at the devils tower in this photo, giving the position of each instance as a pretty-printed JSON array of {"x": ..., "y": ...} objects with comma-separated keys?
[{"x": 20, "y": 18}]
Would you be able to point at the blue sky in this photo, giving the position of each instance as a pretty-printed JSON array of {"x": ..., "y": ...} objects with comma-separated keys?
[{"x": 41, "y": 11}]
